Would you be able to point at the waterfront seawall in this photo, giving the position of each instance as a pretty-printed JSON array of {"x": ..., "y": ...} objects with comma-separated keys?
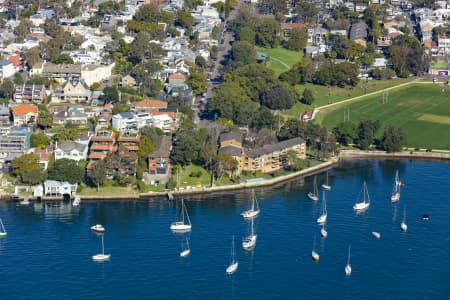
[{"x": 383, "y": 154}]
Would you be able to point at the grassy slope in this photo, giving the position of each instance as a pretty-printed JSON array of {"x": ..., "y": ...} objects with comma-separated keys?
[
  {"x": 276, "y": 55},
  {"x": 324, "y": 95},
  {"x": 423, "y": 111}
]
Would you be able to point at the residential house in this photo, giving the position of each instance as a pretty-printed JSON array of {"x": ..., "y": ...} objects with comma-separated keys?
[
  {"x": 24, "y": 114},
  {"x": 7, "y": 69},
  {"x": 96, "y": 73},
  {"x": 103, "y": 142},
  {"x": 124, "y": 121},
  {"x": 59, "y": 188},
  {"x": 180, "y": 92},
  {"x": 287, "y": 27},
  {"x": 128, "y": 81},
  {"x": 358, "y": 33},
  {"x": 317, "y": 36},
  {"x": 150, "y": 106},
  {"x": 176, "y": 78},
  {"x": 108, "y": 23},
  {"x": 271, "y": 158},
  {"x": 129, "y": 140},
  {"x": 104, "y": 119},
  {"x": 443, "y": 45},
  {"x": 74, "y": 114},
  {"x": 231, "y": 144},
  {"x": 17, "y": 140},
  {"x": 4, "y": 115},
  {"x": 159, "y": 161},
  {"x": 73, "y": 90},
  {"x": 70, "y": 150},
  {"x": 426, "y": 29},
  {"x": 27, "y": 93},
  {"x": 306, "y": 116},
  {"x": 44, "y": 156},
  {"x": 60, "y": 72}
]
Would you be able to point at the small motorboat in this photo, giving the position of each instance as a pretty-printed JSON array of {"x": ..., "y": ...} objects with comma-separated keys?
[
  {"x": 425, "y": 217},
  {"x": 315, "y": 256},
  {"x": 376, "y": 234},
  {"x": 98, "y": 228}
]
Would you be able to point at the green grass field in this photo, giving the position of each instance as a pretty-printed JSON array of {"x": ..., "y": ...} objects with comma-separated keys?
[
  {"x": 422, "y": 111},
  {"x": 281, "y": 59},
  {"x": 324, "y": 95}
]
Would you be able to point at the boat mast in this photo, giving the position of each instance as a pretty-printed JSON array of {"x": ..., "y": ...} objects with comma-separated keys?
[
  {"x": 348, "y": 259},
  {"x": 103, "y": 246},
  {"x": 187, "y": 215}
]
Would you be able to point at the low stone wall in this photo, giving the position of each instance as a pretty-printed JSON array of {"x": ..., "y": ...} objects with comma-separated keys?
[{"x": 403, "y": 154}]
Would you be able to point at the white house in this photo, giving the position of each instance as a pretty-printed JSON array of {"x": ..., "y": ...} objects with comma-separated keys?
[
  {"x": 70, "y": 150},
  {"x": 59, "y": 188},
  {"x": 7, "y": 69},
  {"x": 124, "y": 121},
  {"x": 96, "y": 73},
  {"x": 164, "y": 122}
]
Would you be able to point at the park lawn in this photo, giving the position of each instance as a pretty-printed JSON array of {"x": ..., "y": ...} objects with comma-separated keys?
[
  {"x": 324, "y": 95},
  {"x": 280, "y": 59},
  {"x": 421, "y": 110},
  {"x": 203, "y": 180},
  {"x": 108, "y": 191}
]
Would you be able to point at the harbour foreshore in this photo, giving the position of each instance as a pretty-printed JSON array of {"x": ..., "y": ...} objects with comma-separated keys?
[{"x": 344, "y": 154}]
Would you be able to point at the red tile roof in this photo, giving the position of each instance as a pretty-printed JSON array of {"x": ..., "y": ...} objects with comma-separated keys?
[
  {"x": 151, "y": 103},
  {"x": 23, "y": 109}
]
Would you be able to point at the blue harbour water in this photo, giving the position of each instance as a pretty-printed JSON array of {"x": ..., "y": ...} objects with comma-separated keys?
[{"x": 47, "y": 253}]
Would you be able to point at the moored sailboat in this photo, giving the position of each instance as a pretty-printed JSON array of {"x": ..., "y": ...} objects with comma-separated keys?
[
  {"x": 254, "y": 210},
  {"x": 3, "y": 232},
  {"x": 360, "y": 206},
  {"x": 182, "y": 225},
  {"x": 323, "y": 217},
  {"x": 314, "y": 255},
  {"x": 232, "y": 267},
  {"x": 395, "y": 196},
  {"x": 403, "y": 226},
  {"x": 185, "y": 252},
  {"x": 326, "y": 185},
  {"x": 250, "y": 241},
  {"x": 348, "y": 268},
  {"x": 102, "y": 256},
  {"x": 314, "y": 195}
]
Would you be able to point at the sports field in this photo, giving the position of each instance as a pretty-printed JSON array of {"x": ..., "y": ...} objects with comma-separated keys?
[
  {"x": 281, "y": 59},
  {"x": 422, "y": 111}
]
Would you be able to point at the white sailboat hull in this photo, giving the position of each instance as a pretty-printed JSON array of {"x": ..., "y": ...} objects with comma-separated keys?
[
  {"x": 315, "y": 256},
  {"x": 232, "y": 268},
  {"x": 98, "y": 228},
  {"x": 361, "y": 206},
  {"x": 101, "y": 257},
  {"x": 249, "y": 242},
  {"x": 3, "y": 234},
  {"x": 326, "y": 187},
  {"x": 395, "y": 196},
  {"x": 251, "y": 213},
  {"x": 404, "y": 227},
  {"x": 312, "y": 196},
  {"x": 185, "y": 253},
  {"x": 376, "y": 234},
  {"x": 180, "y": 227},
  {"x": 322, "y": 219},
  {"x": 348, "y": 270},
  {"x": 323, "y": 233}
]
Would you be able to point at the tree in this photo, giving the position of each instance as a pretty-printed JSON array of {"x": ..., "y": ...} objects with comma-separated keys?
[
  {"x": 22, "y": 29},
  {"x": 35, "y": 176},
  {"x": 97, "y": 174},
  {"x": 187, "y": 144},
  {"x": 24, "y": 164},
  {"x": 272, "y": 7},
  {"x": 406, "y": 54},
  {"x": 63, "y": 59},
  {"x": 246, "y": 33},
  {"x": 295, "y": 162},
  {"x": 297, "y": 39},
  {"x": 148, "y": 13},
  {"x": 184, "y": 19},
  {"x": 31, "y": 56},
  {"x": 66, "y": 170},
  {"x": 201, "y": 62},
  {"x": 110, "y": 94},
  {"x": 308, "y": 97},
  {"x": 306, "y": 11},
  {"x": 225, "y": 163},
  {"x": 39, "y": 139},
  {"x": 393, "y": 139},
  {"x": 366, "y": 133},
  {"x": 198, "y": 82},
  {"x": 120, "y": 108},
  {"x": 45, "y": 119},
  {"x": 277, "y": 97},
  {"x": 268, "y": 33},
  {"x": 346, "y": 132},
  {"x": 243, "y": 53},
  {"x": 7, "y": 89}
]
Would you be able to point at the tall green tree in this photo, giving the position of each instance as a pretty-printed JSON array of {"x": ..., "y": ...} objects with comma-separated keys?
[
  {"x": 243, "y": 53},
  {"x": 297, "y": 39},
  {"x": 97, "y": 175},
  {"x": 38, "y": 139},
  {"x": 66, "y": 170},
  {"x": 24, "y": 164},
  {"x": 393, "y": 139},
  {"x": 198, "y": 82}
]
